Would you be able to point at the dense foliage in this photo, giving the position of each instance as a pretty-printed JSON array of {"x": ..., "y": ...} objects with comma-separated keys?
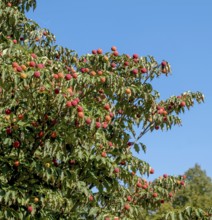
[{"x": 67, "y": 127}]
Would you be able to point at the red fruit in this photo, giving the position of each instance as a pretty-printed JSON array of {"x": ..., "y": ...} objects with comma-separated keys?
[
  {"x": 72, "y": 162},
  {"x": 68, "y": 76},
  {"x": 37, "y": 74},
  {"x": 162, "y": 201},
  {"x": 16, "y": 163},
  {"x": 14, "y": 64},
  {"x": 116, "y": 53},
  {"x": 151, "y": 171},
  {"x": 139, "y": 184},
  {"x": 170, "y": 195},
  {"x": 98, "y": 124},
  {"x": 182, "y": 104},
  {"x": 29, "y": 209},
  {"x": 68, "y": 104},
  {"x": 88, "y": 121},
  {"x": 15, "y": 41},
  {"x": 145, "y": 186},
  {"x": 40, "y": 66},
  {"x": 144, "y": 70},
  {"x": 135, "y": 71},
  {"x": 45, "y": 33},
  {"x": 104, "y": 125},
  {"x": 80, "y": 114},
  {"x": 74, "y": 75},
  {"x": 9, "y": 4},
  {"x": 32, "y": 64},
  {"x": 107, "y": 218},
  {"x": 53, "y": 134},
  {"x": 127, "y": 206},
  {"x": 165, "y": 175},
  {"x": 135, "y": 56},
  {"x": 57, "y": 91},
  {"x": 94, "y": 52},
  {"x": 19, "y": 69},
  {"x": 182, "y": 183},
  {"x": 104, "y": 154},
  {"x": 155, "y": 195},
  {"x": 107, "y": 107},
  {"x": 8, "y": 111},
  {"x": 157, "y": 127},
  {"x": 9, "y": 130},
  {"x": 79, "y": 108},
  {"x": 164, "y": 63},
  {"x": 91, "y": 198},
  {"x": 16, "y": 144},
  {"x": 33, "y": 55},
  {"x": 113, "y": 48},
  {"x": 41, "y": 134},
  {"x": 55, "y": 76},
  {"x": 110, "y": 144},
  {"x": 99, "y": 51},
  {"x": 113, "y": 65},
  {"x": 74, "y": 102},
  {"x": 116, "y": 170},
  {"x": 126, "y": 63},
  {"x": 129, "y": 198}
]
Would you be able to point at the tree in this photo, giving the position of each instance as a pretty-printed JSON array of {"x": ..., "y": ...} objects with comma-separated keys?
[
  {"x": 67, "y": 126},
  {"x": 197, "y": 193}
]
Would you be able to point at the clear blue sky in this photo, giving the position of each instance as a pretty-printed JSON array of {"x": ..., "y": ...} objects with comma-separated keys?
[{"x": 179, "y": 31}]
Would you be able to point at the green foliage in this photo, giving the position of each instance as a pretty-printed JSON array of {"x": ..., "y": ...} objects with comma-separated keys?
[{"x": 67, "y": 127}]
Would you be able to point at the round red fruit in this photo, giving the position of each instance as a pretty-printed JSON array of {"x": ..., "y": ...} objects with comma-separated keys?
[{"x": 16, "y": 144}]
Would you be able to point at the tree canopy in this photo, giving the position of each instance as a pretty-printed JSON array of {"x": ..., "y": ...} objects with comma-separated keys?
[{"x": 67, "y": 126}]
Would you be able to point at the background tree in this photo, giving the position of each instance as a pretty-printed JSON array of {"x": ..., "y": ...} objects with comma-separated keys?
[
  {"x": 197, "y": 193},
  {"x": 67, "y": 126}
]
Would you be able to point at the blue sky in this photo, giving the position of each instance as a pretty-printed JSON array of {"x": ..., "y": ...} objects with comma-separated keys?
[{"x": 178, "y": 31}]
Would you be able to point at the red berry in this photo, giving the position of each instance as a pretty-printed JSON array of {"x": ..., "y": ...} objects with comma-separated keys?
[
  {"x": 57, "y": 91},
  {"x": 16, "y": 144},
  {"x": 129, "y": 198},
  {"x": 29, "y": 209},
  {"x": 94, "y": 52},
  {"x": 8, "y": 130},
  {"x": 32, "y": 64},
  {"x": 151, "y": 171},
  {"x": 99, "y": 51},
  {"x": 104, "y": 154},
  {"x": 182, "y": 104},
  {"x": 116, "y": 170},
  {"x": 135, "y": 56},
  {"x": 98, "y": 124},
  {"x": 135, "y": 71},
  {"x": 113, "y": 48},
  {"x": 15, "y": 41},
  {"x": 68, "y": 76},
  {"x": 155, "y": 195},
  {"x": 8, "y": 111},
  {"x": 37, "y": 74},
  {"x": 79, "y": 108},
  {"x": 88, "y": 121},
  {"x": 40, "y": 66},
  {"x": 68, "y": 104},
  {"x": 33, "y": 55},
  {"x": 116, "y": 53},
  {"x": 164, "y": 63},
  {"x": 144, "y": 70},
  {"x": 127, "y": 206},
  {"x": 165, "y": 175},
  {"x": 91, "y": 198}
]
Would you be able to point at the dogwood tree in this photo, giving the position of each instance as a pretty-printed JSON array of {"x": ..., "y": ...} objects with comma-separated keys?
[{"x": 67, "y": 127}]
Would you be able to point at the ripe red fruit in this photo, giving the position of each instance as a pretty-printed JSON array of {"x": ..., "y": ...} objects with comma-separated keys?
[
  {"x": 104, "y": 125},
  {"x": 16, "y": 163},
  {"x": 68, "y": 104},
  {"x": 165, "y": 175},
  {"x": 79, "y": 108},
  {"x": 57, "y": 91},
  {"x": 8, "y": 111},
  {"x": 116, "y": 170},
  {"x": 41, "y": 134},
  {"x": 14, "y": 64},
  {"x": 37, "y": 74},
  {"x": 74, "y": 75},
  {"x": 9, "y": 4},
  {"x": 151, "y": 171},
  {"x": 110, "y": 144},
  {"x": 104, "y": 154},
  {"x": 9, "y": 130},
  {"x": 182, "y": 183},
  {"x": 164, "y": 63},
  {"x": 98, "y": 124},
  {"x": 155, "y": 195},
  {"x": 157, "y": 127},
  {"x": 15, "y": 41},
  {"x": 144, "y": 70},
  {"x": 29, "y": 209},
  {"x": 33, "y": 55},
  {"x": 126, "y": 63},
  {"x": 16, "y": 144},
  {"x": 170, "y": 195},
  {"x": 32, "y": 64},
  {"x": 135, "y": 56},
  {"x": 68, "y": 76},
  {"x": 88, "y": 121},
  {"x": 53, "y": 134},
  {"x": 129, "y": 198},
  {"x": 113, "y": 65},
  {"x": 107, "y": 107},
  {"x": 74, "y": 102},
  {"x": 40, "y": 66},
  {"x": 116, "y": 53},
  {"x": 127, "y": 206},
  {"x": 182, "y": 104},
  {"x": 139, "y": 184},
  {"x": 113, "y": 48},
  {"x": 94, "y": 52},
  {"x": 55, "y": 76},
  {"x": 135, "y": 71},
  {"x": 99, "y": 51},
  {"x": 19, "y": 69},
  {"x": 91, "y": 198}
]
